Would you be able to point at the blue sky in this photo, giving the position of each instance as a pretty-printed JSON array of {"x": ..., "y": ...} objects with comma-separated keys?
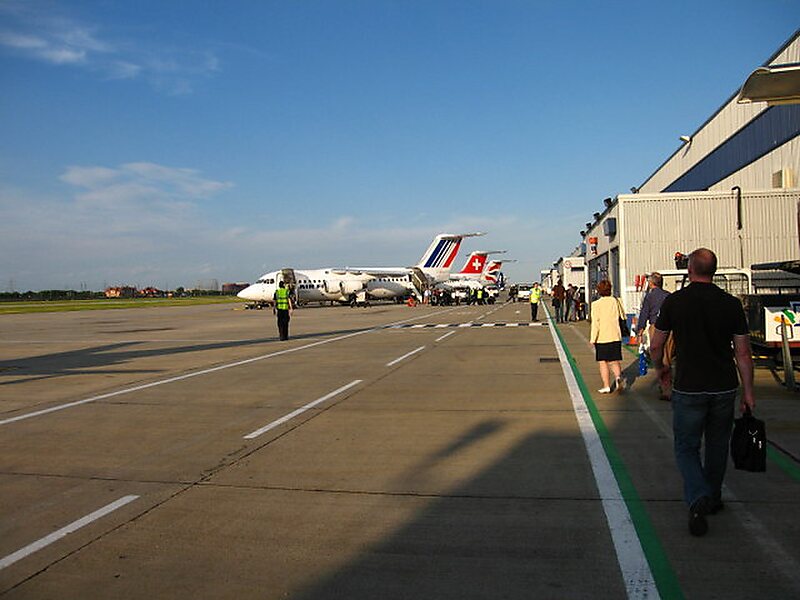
[{"x": 162, "y": 143}]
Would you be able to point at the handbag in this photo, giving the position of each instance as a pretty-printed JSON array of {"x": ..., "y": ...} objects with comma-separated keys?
[
  {"x": 749, "y": 443},
  {"x": 623, "y": 323}
]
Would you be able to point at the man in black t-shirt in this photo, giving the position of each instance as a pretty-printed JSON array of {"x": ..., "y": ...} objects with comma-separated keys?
[{"x": 711, "y": 344}]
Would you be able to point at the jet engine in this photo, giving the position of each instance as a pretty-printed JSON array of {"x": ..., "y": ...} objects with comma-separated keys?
[
  {"x": 345, "y": 287},
  {"x": 351, "y": 287}
]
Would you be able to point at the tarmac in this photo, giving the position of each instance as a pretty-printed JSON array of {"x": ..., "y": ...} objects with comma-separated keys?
[{"x": 381, "y": 452}]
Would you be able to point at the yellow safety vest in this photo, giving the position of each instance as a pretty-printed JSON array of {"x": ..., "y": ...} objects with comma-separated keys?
[
  {"x": 282, "y": 299},
  {"x": 536, "y": 295}
]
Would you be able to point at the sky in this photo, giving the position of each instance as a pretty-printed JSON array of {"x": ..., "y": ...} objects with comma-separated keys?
[{"x": 170, "y": 143}]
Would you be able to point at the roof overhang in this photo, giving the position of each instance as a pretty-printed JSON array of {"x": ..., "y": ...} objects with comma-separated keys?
[
  {"x": 791, "y": 266},
  {"x": 779, "y": 84}
]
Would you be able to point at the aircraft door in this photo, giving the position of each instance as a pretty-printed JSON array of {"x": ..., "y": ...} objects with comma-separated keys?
[
  {"x": 419, "y": 280},
  {"x": 288, "y": 277}
]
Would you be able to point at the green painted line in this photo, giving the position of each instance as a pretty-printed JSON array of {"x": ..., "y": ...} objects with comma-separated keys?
[
  {"x": 664, "y": 575},
  {"x": 783, "y": 462}
]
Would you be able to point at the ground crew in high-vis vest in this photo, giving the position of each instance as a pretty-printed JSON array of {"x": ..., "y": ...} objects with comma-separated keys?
[
  {"x": 283, "y": 308},
  {"x": 536, "y": 296}
]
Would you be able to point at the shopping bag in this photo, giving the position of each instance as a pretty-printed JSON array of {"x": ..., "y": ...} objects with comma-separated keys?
[{"x": 749, "y": 443}]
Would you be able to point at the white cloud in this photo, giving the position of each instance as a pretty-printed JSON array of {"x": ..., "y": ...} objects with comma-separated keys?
[
  {"x": 63, "y": 56},
  {"x": 186, "y": 181},
  {"x": 141, "y": 180},
  {"x": 81, "y": 37},
  {"x": 146, "y": 223},
  {"x": 26, "y": 42},
  {"x": 31, "y": 31},
  {"x": 143, "y": 200},
  {"x": 138, "y": 222},
  {"x": 123, "y": 70},
  {"x": 89, "y": 176}
]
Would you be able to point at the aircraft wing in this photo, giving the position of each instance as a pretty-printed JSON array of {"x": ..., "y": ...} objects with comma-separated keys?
[{"x": 374, "y": 271}]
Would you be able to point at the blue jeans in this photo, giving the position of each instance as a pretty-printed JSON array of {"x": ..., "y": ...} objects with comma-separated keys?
[
  {"x": 559, "y": 310},
  {"x": 694, "y": 417}
]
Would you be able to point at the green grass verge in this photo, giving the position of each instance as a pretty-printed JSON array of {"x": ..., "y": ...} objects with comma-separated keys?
[{"x": 7, "y": 308}]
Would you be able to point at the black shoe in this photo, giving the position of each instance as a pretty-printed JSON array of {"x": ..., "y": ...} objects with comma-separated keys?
[
  {"x": 716, "y": 506},
  {"x": 698, "y": 525}
]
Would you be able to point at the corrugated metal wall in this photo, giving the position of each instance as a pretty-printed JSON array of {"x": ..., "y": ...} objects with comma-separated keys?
[
  {"x": 658, "y": 225},
  {"x": 790, "y": 54},
  {"x": 770, "y": 226}
]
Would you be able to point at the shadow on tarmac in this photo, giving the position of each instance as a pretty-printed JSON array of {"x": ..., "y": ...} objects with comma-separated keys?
[
  {"x": 90, "y": 360},
  {"x": 528, "y": 526},
  {"x": 531, "y": 524}
]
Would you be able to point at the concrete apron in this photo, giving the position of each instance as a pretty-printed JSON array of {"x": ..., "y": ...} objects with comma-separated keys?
[{"x": 458, "y": 472}]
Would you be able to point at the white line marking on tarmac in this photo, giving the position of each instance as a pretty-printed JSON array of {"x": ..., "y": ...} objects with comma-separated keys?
[
  {"x": 202, "y": 372},
  {"x": 301, "y": 410},
  {"x": 636, "y": 574},
  {"x": 406, "y": 355},
  {"x": 64, "y": 531},
  {"x": 448, "y": 334}
]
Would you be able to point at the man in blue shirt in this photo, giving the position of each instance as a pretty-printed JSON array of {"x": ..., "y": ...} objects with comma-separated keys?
[{"x": 651, "y": 305}]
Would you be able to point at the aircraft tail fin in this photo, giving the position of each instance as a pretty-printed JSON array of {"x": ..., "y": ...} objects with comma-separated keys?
[
  {"x": 443, "y": 250},
  {"x": 475, "y": 264},
  {"x": 492, "y": 270}
]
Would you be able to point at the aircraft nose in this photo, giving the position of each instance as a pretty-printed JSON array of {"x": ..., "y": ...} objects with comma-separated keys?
[{"x": 246, "y": 293}]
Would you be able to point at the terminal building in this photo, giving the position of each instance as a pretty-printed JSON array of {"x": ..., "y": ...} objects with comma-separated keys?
[
  {"x": 570, "y": 270},
  {"x": 731, "y": 186}
]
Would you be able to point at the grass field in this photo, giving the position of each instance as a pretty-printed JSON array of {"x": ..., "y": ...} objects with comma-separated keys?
[{"x": 7, "y": 308}]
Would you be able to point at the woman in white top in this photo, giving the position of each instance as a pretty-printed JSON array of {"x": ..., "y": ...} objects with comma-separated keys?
[{"x": 606, "y": 336}]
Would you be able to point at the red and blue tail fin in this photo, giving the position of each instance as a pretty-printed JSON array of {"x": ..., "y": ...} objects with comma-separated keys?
[
  {"x": 438, "y": 258},
  {"x": 492, "y": 270},
  {"x": 441, "y": 253}
]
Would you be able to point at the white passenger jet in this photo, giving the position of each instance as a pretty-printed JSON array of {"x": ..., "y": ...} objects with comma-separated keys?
[{"x": 340, "y": 285}]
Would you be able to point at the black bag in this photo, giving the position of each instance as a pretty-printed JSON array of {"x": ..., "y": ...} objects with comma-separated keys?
[
  {"x": 623, "y": 323},
  {"x": 623, "y": 327},
  {"x": 749, "y": 443}
]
